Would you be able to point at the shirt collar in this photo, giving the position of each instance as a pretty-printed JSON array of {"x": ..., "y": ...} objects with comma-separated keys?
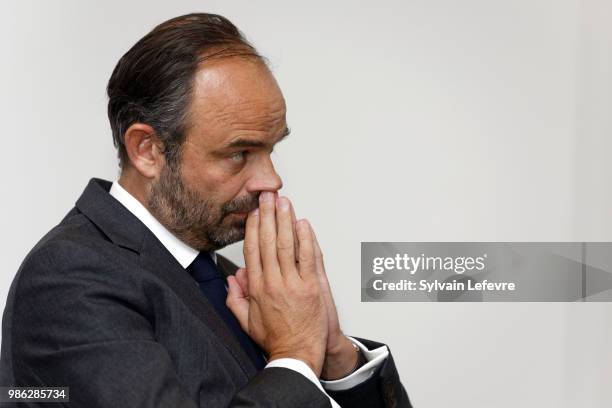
[{"x": 182, "y": 252}]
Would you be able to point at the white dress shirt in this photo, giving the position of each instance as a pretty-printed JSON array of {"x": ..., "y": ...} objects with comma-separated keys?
[{"x": 185, "y": 255}]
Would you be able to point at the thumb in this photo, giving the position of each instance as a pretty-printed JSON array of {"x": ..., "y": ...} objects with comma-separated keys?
[
  {"x": 242, "y": 278},
  {"x": 237, "y": 302}
]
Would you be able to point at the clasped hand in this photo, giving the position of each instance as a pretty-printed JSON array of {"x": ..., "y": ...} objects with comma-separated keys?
[{"x": 282, "y": 298}]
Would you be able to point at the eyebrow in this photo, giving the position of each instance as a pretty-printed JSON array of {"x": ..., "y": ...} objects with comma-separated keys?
[{"x": 242, "y": 142}]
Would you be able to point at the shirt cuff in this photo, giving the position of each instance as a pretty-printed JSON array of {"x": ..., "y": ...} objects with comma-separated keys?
[
  {"x": 375, "y": 359},
  {"x": 302, "y": 368}
]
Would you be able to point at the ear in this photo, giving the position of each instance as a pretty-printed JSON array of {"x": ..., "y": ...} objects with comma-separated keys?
[{"x": 144, "y": 150}]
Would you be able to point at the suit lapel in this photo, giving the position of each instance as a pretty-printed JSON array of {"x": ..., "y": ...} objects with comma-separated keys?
[
  {"x": 155, "y": 258},
  {"x": 126, "y": 230}
]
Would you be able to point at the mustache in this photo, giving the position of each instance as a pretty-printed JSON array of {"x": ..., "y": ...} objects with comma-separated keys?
[{"x": 243, "y": 204}]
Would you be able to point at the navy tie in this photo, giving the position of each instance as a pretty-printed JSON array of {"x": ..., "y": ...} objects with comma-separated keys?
[{"x": 204, "y": 270}]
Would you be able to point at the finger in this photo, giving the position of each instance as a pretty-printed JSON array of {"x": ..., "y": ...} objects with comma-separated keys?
[
  {"x": 251, "y": 248},
  {"x": 320, "y": 266},
  {"x": 294, "y": 229},
  {"x": 242, "y": 277},
  {"x": 323, "y": 281},
  {"x": 318, "y": 253},
  {"x": 284, "y": 239},
  {"x": 238, "y": 304},
  {"x": 307, "y": 265},
  {"x": 267, "y": 236}
]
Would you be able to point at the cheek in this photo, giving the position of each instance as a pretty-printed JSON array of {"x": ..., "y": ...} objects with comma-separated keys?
[
  {"x": 213, "y": 179},
  {"x": 215, "y": 185},
  {"x": 200, "y": 175}
]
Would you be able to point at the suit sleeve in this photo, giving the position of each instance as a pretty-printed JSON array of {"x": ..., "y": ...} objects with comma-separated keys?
[
  {"x": 382, "y": 390},
  {"x": 75, "y": 326}
]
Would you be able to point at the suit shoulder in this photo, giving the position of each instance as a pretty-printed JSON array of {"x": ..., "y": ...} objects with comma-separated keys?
[
  {"x": 75, "y": 248},
  {"x": 75, "y": 229}
]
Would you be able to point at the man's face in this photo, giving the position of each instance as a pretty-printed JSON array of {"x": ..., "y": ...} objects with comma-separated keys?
[{"x": 237, "y": 115}]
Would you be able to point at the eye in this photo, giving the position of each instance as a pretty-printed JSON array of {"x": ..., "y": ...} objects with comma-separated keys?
[{"x": 238, "y": 156}]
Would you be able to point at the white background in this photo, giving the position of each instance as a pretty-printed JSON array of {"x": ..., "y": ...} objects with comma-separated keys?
[{"x": 437, "y": 120}]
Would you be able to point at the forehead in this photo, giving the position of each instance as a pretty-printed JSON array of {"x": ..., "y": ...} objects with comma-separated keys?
[{"x": 236, "y": 95}]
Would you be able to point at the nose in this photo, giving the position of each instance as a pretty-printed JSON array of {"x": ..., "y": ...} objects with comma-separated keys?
[{"x": 265, "y": 178}]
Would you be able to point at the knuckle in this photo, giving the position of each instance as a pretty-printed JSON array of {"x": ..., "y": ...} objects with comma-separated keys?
[
  {"x": 312, "y": 288},
  {"x": 309, "y": 293},
  {"x": 249, "y": 249},
  {"x": 267, "y": 237},
  {"x": 270, "y": 289},
  {"x": 254, "y": 294},
  {"x": 305, "y": 260},
  {"x": 293, "y": 286},
  {"x": 284, "y": 244}
]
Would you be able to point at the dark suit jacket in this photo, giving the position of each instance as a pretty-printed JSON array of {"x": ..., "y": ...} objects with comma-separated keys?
[{"x": 99, "y": 305}]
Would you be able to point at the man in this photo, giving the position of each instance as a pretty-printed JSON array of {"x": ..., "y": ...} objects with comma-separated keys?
[{"x": 125, "y": 301}]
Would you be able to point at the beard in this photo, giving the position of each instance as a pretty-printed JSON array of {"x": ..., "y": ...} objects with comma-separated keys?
[{"x": 200, "y": 222}]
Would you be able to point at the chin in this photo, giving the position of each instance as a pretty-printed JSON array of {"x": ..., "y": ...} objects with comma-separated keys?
[{"x": 227, "y": 237}]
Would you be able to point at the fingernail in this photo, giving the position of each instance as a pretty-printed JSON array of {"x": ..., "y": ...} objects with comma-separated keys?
[
  {"x": 255, "y": 212},
  {"x": 282, "y": 203},
  {"x": 265, "y": 197}
]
